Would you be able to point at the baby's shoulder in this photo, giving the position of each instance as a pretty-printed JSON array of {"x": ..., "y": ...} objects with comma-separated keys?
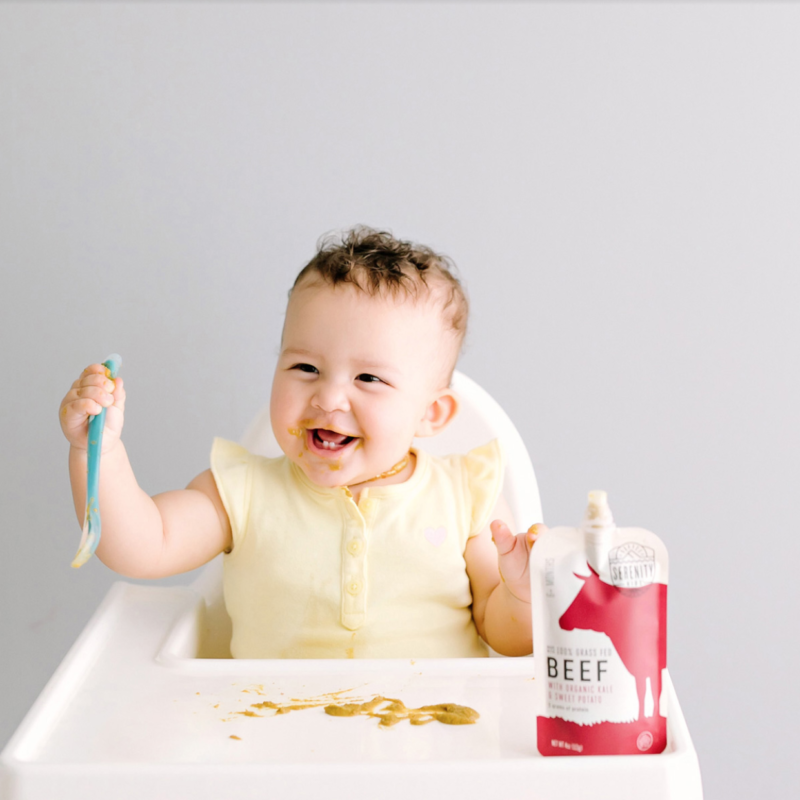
[
  {"x": 475, "y": 480},
  {"x": 478, "y": 470},
  {"x": 488, "y": 456}
]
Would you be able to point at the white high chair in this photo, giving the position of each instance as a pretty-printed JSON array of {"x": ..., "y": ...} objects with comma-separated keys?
[{"x": 149, "y": 703}]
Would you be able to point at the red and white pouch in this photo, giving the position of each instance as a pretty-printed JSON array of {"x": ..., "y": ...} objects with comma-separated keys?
[{"x": 599, "y": 597}]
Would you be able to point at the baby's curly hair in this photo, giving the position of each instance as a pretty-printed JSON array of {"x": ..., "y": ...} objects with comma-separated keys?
[{"x": 375, "y": 262}]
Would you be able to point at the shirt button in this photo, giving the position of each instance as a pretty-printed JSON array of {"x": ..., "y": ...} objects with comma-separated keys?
[
  {"x": 355, "y": 546},
  {"x": 354, "y": 587}
]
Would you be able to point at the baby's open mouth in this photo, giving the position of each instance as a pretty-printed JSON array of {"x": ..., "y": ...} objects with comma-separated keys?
[{"x": 329, "y": 440}]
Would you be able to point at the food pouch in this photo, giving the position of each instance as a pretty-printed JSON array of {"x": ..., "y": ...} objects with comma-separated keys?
[{"x": 599, "y": 597}]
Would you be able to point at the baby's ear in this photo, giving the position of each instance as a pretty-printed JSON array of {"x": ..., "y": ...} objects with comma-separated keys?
[{"x": 438, "y": 414}]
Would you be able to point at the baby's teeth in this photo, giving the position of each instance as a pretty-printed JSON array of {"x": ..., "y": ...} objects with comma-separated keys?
[{"x": 328, "y": 445}]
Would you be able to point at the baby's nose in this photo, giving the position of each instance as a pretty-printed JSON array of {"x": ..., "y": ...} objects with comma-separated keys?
[{"x": 330, "y": 396}]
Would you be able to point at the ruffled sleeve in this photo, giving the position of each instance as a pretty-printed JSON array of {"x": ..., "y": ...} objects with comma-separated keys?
[
  {"x": 231, "y": 468},
  {"x": 483, "y": 474}
]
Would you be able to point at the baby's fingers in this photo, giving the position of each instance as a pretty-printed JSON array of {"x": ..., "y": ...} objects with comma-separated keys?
[
  {"x": 512, "y": 559},
  {"x": 116, "y": 411},
  {"x": 534, "y": 532},
  {"x": 92, "y": 392},
  {"x": 511, "y": 549},
  {"x": 118, "y": 393},
  {"x": 502, "y": 537},
  {"x": 81, "y": 408},
  {"x": 101, "y": 395},
  {"x": 91, "y": 372}
]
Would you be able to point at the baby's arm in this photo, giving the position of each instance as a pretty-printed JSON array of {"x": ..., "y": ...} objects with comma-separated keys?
[
  {"x": 142, "y": 536},
  {"x": 501, "y": 604}
]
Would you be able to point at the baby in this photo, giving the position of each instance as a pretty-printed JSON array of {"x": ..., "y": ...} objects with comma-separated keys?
[{"x": 354, "y": 543}]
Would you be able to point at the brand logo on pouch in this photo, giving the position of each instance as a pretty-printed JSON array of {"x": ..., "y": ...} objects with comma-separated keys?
[{"x": 632, "y": 565}]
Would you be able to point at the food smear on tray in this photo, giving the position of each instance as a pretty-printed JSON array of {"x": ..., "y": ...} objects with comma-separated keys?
[
  {"x": 387, "y": 710},
  {"x": 391, "y": 711}
]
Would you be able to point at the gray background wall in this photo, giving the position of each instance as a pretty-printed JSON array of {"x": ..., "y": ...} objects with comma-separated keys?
[{"x": 617, "y": 182}]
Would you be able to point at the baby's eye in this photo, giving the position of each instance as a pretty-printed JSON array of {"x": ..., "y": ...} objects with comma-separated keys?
[
  {"x": 367, "y": 378},
  {"x": 305, "y": 368}
]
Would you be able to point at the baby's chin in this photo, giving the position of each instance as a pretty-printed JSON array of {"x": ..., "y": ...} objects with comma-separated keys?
[{"x": 325, "y": 475}]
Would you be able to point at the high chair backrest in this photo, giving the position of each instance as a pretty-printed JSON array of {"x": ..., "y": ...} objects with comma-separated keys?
[{"x": 480, "y": 419}]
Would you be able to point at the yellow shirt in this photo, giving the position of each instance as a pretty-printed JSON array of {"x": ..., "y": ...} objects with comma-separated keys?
[{"x": 312, "y": 574}]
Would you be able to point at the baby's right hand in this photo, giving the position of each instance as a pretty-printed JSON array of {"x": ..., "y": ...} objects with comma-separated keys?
[{"x": 92, "y": 392}]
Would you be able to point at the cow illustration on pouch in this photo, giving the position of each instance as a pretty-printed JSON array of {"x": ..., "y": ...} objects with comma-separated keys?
[{"x": 632, "y": 619}]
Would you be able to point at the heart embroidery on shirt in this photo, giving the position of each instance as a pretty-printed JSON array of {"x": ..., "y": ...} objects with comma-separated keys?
[{"x": 436, "y": 535}]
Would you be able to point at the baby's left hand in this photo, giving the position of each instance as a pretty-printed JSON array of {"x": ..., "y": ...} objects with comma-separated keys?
[{"x": 513, "y": 556}]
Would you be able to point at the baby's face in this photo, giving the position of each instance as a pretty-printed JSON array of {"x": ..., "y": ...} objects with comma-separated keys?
[{"x": 355, "y": 379}]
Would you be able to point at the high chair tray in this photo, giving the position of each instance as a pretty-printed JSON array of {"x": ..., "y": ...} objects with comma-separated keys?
[{"x": 131, "y": 713}]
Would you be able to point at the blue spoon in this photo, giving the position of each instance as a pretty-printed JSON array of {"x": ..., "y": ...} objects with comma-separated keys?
[{"x": 90, "y": 536}]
